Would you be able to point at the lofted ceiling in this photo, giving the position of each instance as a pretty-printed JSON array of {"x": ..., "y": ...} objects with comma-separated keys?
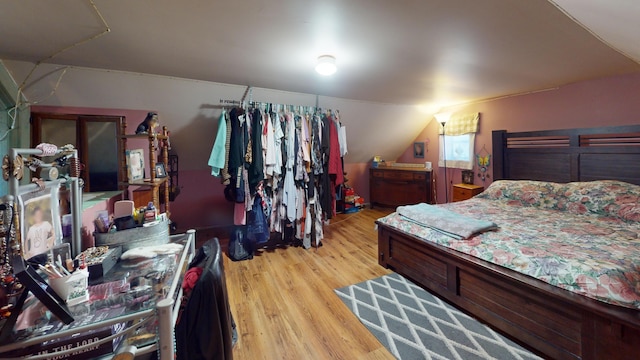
[
  {"x": 435, "y": 52},
  {"x": 615, "y": 22}
]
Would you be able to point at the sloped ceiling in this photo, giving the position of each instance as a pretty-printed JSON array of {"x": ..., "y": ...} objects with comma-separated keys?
[
  {"x": 433, "y": 52},
  {"x": 614, "y": 22}
]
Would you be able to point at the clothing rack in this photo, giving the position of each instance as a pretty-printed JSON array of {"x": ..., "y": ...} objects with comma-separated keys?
[
  {"x": 224, "y": 103},
  {"x": 297, "y": 190}
]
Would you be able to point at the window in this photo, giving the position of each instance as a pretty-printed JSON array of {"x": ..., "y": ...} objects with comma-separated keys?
[
  {"x": 95, "y": 137},
  {"x": 457, "y": 150},
  {"x": 457, "y": 141}
]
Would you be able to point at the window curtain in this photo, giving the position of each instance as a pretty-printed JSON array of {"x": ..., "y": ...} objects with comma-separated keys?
[
  {"x": 460, "y": 125},
  {"x": 458, "y": 138}
]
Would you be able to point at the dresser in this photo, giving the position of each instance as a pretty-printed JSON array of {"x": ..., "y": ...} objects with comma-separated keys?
[
  {"x": 400, "y": 186},
  {"x": 465, "y": 191}
]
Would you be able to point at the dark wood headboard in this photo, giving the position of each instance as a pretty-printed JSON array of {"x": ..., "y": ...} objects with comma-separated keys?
[{"x": 605, "y": 153}]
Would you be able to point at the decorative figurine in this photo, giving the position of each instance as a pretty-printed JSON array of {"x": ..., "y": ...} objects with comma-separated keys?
[
  {"x": 483, "y": 166},
  {"x": 149, "y": 124}
]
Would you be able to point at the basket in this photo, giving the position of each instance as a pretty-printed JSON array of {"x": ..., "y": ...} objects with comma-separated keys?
[{"x": 157, "y": 234}]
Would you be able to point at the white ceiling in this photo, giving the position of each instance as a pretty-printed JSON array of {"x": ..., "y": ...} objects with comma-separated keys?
[{"x": 433, "y": 52}]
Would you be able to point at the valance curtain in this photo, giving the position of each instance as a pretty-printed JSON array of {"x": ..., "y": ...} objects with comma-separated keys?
[
  {"x": 460, "y": 125},
  {"x": 460, "y": 132}
]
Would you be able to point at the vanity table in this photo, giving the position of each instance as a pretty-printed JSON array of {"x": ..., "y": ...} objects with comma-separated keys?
[{"x": 136, "y": 304}]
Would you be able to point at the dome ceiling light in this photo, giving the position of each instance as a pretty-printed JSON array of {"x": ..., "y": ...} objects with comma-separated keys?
[{"x": 326, "y": 65}]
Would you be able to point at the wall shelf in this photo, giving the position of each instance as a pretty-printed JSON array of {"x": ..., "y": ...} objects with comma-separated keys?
[{"x": 158, "y": 152}]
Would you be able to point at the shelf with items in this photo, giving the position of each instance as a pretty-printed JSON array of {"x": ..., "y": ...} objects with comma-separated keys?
[
  {"x": 158, "y": 153},
  {"x": 144, "y": 182}
]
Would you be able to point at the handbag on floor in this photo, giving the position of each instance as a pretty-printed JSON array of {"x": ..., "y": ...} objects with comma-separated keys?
[{"x": 240, "y": 248}]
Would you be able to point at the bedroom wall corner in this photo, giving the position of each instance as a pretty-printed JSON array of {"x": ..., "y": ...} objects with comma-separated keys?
[{"x": 608, "y": 101}]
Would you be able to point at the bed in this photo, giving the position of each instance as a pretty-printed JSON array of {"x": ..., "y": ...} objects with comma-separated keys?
[{"x": 552, "y": 316}]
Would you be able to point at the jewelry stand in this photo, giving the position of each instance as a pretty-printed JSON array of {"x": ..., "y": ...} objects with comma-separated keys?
[{"x": 28, "y": 276}]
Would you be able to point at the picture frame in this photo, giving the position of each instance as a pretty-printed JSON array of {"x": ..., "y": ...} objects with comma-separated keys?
[
  {"x": 161, "y": 172},
  {"x": 135, "y": 164},
  {"x": 467, "y": 177},
  {"x": 418, "y": 149},
  {"x": 41, "y": 228}
]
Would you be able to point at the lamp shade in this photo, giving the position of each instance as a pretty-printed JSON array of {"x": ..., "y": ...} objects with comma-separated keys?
[
  {"x": 442, "y": 118},
  {"x": 326, "y": 65}
]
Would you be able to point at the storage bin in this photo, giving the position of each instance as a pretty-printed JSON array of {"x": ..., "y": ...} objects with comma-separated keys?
[
  {"x": 73, "y": 289},
  {"x": 157, "y": 234}
]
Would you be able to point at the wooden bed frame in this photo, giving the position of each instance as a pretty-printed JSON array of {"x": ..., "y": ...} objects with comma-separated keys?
[{"x": 551, "y": 321}]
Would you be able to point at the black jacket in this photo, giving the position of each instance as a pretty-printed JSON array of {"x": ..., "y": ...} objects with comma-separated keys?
[{"x": 204, "y": 330}]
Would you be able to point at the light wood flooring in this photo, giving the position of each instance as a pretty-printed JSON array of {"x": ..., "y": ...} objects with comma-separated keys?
[{"x": 283, "y": 300}]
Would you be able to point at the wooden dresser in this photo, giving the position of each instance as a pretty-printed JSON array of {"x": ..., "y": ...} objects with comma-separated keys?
[
  {"x": 400, "y": 186},
  {"x": 465, "y": 191}
]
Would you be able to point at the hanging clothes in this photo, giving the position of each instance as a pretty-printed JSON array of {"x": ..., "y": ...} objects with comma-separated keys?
[
  {"x": 342, "y": 137},
  {"x": 278, "y": 137},
  {"x": 335, "y": 159},
  {"x": 238, "y": 145},
  {"x": 284, "y": 167},
  {"x": 325, "y": 180},
  {"x": 225, "y": 177},
  {"x": 256, "y": 169},
  {"x": 289, "y": 185},
  {"x": 218, "y": 153},
  {"x": 269, "y": 146}
]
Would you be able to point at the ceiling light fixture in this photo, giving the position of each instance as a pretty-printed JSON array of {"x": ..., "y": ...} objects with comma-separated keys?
[{"x": 326, "y": 65}]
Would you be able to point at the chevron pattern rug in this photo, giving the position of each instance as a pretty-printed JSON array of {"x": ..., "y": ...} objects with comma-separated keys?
[{"x": 413, "y": 324}]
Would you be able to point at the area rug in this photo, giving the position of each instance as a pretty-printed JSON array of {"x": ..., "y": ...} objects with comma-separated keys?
[{"x": 413, "y": 324}]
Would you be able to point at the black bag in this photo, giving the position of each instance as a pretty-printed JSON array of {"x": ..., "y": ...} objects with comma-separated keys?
[{"x": 240, "y": 247}]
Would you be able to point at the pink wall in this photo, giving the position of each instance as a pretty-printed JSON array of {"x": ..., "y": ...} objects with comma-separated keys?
[
  {"x": 358, "y": 175},
  {"x": 201, "y": 203},
  {"x": 601, "y": 102}
]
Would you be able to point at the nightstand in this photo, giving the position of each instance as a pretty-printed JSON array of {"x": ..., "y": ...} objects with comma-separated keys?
[{"x": 465, "y": 191}]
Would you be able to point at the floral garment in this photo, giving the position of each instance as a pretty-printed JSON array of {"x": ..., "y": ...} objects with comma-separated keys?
[{"x": 582, "y": 237}]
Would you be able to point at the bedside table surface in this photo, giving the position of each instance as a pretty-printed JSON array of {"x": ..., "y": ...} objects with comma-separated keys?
[{"x": 468, "y": 186}]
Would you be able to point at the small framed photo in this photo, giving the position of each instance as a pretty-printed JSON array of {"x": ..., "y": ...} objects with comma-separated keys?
[
  {"x": 418, "y": 150},
  {"x": 467, "y": 177},
  {"x": 41, "y": 227},
  {"x": 63, "y": 251},
  {"x": 161, "y": 172},
  {"x": 135, "y": 164}
]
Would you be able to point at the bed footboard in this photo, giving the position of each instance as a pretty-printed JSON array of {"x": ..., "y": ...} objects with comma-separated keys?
[{"x": 550, "y": 321}]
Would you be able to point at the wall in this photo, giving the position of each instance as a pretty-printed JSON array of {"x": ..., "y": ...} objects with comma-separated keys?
[
  {"x": 188, "y": 108},
  {"x": 601, "y": 102},
  {"x": 20, "y": 131}
]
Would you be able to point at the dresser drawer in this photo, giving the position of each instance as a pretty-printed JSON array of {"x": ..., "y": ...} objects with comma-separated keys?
[
  {"x": 395, "y": 187},
  {"x": 398, "y": 175},
  {"x": 462, "y": 193}
]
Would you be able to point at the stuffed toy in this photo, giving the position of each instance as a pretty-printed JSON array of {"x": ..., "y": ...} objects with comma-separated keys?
[{"x": 149, "y": 124}]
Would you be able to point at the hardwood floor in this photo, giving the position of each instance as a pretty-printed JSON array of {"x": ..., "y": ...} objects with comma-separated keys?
[{"x": 283, "y": 300}]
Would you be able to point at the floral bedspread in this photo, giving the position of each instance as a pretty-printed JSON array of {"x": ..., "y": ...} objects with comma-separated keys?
[{"x": 582, "y": 237}]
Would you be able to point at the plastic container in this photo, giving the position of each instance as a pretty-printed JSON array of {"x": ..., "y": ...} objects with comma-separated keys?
[
  {"x": 148, "y": 235},
  {"x": 74, "y": 288}
]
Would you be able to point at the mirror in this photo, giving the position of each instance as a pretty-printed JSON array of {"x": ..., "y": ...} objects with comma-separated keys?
[{"x": 95, "y": 137}]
